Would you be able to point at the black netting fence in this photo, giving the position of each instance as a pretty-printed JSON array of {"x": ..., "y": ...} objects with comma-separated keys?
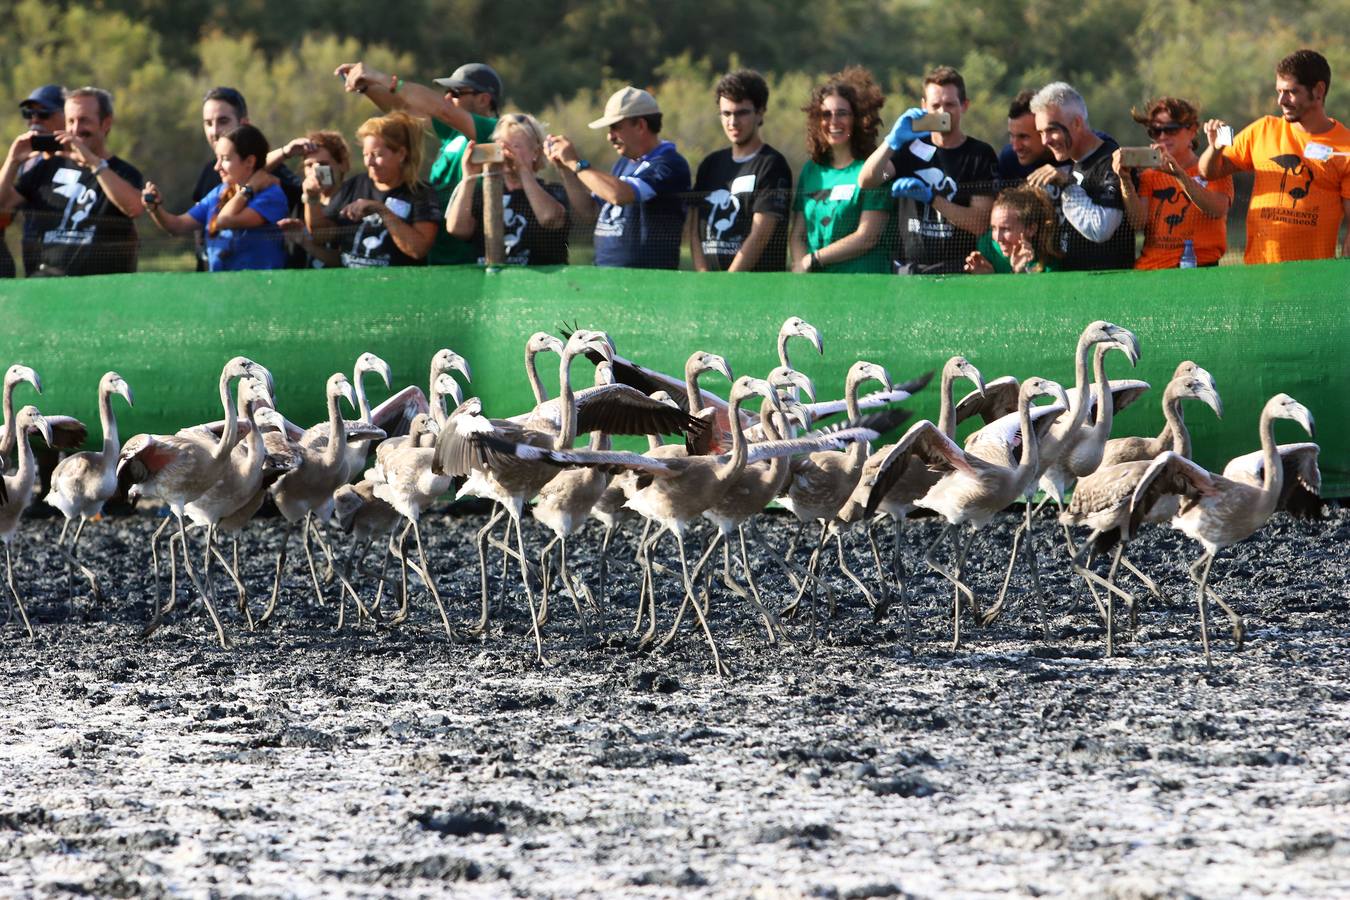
[{"x": 840, "y": 227}]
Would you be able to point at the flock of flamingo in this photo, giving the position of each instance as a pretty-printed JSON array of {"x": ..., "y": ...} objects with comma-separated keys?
[{"x": 374, "y": 477}]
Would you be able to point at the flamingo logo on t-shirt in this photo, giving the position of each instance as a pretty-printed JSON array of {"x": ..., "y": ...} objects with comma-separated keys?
[
  {"x": 1294, "y": 166},
  {"x": 1171, "y": 196}
]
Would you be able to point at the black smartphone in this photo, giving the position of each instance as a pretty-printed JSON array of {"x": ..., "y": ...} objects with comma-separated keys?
[{"x": 46, "y": 143}]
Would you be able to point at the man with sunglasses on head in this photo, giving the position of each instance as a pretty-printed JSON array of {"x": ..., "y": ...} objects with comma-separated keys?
[
  {"x": 43, "y": 111},
  {"x": 738, "y": 221},
  {"x": 1302, "y": 163},
  {"x": 466, "y": 109},
  {"x": 1094, "y": 232}
]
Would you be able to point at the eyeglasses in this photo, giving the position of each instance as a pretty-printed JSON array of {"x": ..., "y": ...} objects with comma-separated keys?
[
  {"x": 1157, "y": 131},
  {"x": 836, "y": 114}
]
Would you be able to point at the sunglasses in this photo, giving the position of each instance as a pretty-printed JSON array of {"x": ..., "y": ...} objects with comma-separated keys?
[
  {"x": 835, "y": 114},
  {"x": 33, "y": 113},
  {"x": 1157, "y": 131},
  {"x": 463, "y": 92}
]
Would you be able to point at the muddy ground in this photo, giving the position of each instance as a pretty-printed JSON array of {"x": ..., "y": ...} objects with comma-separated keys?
[{"x": 374, "y": 762}]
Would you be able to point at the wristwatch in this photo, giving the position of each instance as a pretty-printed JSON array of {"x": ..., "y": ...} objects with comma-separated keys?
[
  {"x": 580, "y": 166},
  {"x": 102, "y": 164},
  {"x": 248, "y": 191}
]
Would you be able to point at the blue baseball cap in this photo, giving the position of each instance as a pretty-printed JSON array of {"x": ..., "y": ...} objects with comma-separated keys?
[{"x": 50, "y": 98}]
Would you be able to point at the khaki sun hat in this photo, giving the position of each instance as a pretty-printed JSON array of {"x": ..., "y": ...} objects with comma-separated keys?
[{"x": 627, "y": 104}]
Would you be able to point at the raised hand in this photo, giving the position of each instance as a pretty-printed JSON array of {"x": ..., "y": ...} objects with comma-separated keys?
[{"x": 902, "y": 132}]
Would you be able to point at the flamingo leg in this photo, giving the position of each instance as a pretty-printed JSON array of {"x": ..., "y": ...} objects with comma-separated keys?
[
  {"x": 544, "y": 579},
  {"x": 878, "y": 608},
  {"x": 1239, "y": 629},
  {"x": 201, "y": 588},
  {"x": 604, "y": 565},
  {"x": 529, "y": 591},
  {"x": 958, "y": 586},
  {"x": 481, "y": 540},
  {"x": 14, "y": 592},
  {"x": 276, "y": 579},
  {"x": 996, "y": 610},
  {"x": 431, "y": 582},
  {"x": 95, "y": 594},
  {"x": 1149, "y": 583},
  {"x": 309, "y": 557},
  {"x": 684, "y": 604},
  {"x": 571, "y": 581},
  {"x": 718, "y": 666},
  {"x": 154, "y": 559},
  {"x": 1207, "y": 560},
  {"x": 646, "y": 548},
  {"x": 214, "y": 550},
  {"x": 772, "y": 624},
  {"x": 402, "y": 552}
]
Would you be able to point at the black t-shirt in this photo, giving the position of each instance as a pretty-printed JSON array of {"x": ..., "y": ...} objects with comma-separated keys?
[
  {"x": 77, "y": 228},
  {"x": 291, "y": 183},
  {"x": 1099, "y": 182},
  {"x": 729, "y": 195},
  {"x": 1011, "y": 172},
  {"x": 931, "y": 243},
  {"x": 527, "y": 242},
  {"x": 367, "y": 243}
]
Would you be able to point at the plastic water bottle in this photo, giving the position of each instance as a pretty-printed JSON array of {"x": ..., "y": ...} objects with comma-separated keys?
[{"x": 1188, "y": 255}]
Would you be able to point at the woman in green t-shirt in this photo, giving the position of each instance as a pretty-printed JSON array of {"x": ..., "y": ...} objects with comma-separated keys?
[
  {"x": 837, "y": 226},
  {"x": 1021, "y": 235}
]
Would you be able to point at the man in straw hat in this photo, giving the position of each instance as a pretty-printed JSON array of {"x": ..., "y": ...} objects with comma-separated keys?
[{"x": 641, "y": 205}]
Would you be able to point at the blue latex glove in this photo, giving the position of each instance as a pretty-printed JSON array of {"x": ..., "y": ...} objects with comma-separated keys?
[
  {"x": 912, "y": 189},
  {"x": 901, "y": 132}
]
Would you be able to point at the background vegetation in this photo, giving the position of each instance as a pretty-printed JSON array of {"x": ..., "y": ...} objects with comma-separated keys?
[{"x": 561, "y": 59}]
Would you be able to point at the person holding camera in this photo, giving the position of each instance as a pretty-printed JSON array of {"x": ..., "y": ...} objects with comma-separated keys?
[
  {"x": 1081, "y": 183},
  {"x": 1173, "y": 204},
  {"x": 534, "y": 213},
  {"x": 80, "y": 197},
  {"x": 384, "y": 216},
  {"x": 837, "y": 226},
  {"x": 238, "y": 218},
  {"x": 326, "y": 163},
  {"x": 1021, "y": 235},
  {"x": 947, "y": 174}
]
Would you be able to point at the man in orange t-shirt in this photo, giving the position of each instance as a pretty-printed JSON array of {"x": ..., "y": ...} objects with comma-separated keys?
[{"x": 1302, "y": 165}]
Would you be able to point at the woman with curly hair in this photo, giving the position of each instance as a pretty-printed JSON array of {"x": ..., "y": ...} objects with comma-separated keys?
[
  {"x": 838, "y": 227},
  {"x": 1021, "y": 236}
]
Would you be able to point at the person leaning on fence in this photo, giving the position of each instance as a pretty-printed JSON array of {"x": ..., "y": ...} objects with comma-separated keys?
[
  {"x": 640, "y": 220},
  {"x": 82, "y": 199},
  {"x": 223, "y": 110},
  {"x": 238, "y": 217},
  {"x": 1174, "y": 204},
  {"x": 1093, "y": 230},
  {"x": 837, "y": 226},
  {"x": 383, "y": 216},
  {"x": 42, "y": 110},
  {"x": 327, "y": 160},
  {"x": 1021, "y": 235},
  {"x": 465, "y": 109},
  {"x": 949, "y": 177},
  {"x": 534, "y": 213},
  {"x": 738, "y": 220},
  {"x": 1302, "y": 163}
]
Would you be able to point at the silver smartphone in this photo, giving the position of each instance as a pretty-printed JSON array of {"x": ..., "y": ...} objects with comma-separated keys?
[{"x": 1225, "y": 136}]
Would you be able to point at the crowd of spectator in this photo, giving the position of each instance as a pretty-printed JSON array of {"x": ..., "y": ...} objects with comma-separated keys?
[{"x": 921, "y": 197}]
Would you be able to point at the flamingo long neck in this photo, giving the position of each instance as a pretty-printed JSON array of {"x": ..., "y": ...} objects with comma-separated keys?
[
  {"x": 230, "y": 434},
  {"x": 254, "y": 440},
  {"x": 946, "y": 405},
  {"x": 111, "y": 445},
  {"x": 857, "y": 450},
  {"x": 362, "y": 404},
  {"x": 567, "y": 432},
  {"x": 1080, "y": 384},
  {"x": 1274, "y": 481},
  {"x": 337, "y": 429},
  {"x": 691, "y": 392},
  {"x": 735, "y": 464},
  {"x": 1176, "y": 424},
  {"x": 27, "y": 466},
  {"x": 775, "y": 428},
  {"x": 1030, "y": 459},
  {"x": 1105, "y": 406},
  {"x": 7, "y": 438},
  {"x": 532, "y": 373}
]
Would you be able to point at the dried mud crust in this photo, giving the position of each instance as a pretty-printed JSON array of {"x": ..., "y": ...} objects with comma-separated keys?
[{"x": 303, "y": 762}]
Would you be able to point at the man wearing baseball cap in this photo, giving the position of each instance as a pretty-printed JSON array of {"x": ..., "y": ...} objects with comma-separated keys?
[
  {"x": 641, "y": 203},
  {"x": 465, "y": 110}
]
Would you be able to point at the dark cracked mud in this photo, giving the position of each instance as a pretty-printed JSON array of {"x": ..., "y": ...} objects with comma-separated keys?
[{"x": 303, "y": 762}]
